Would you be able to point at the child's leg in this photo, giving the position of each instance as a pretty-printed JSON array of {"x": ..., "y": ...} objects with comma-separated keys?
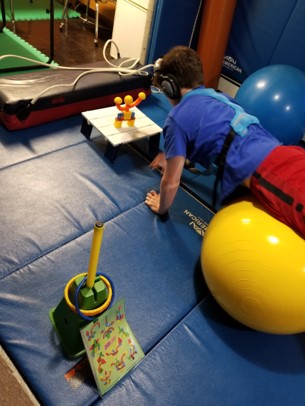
[{"x": 278, "y": 184}]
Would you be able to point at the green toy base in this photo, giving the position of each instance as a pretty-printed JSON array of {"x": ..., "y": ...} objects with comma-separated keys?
[{"x": 67, "y": 324}]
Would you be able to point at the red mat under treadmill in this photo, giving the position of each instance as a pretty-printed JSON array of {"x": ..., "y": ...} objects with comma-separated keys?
[{"x": 27, "y": 100}]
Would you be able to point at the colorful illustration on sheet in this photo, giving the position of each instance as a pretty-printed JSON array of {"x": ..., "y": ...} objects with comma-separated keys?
[{"x": 111, "y": 347}]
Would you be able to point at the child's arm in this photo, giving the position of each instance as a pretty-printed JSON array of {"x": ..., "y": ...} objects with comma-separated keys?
[{"x": 160, "y": 203}]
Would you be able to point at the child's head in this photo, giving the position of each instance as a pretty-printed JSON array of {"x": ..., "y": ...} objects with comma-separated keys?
[{"x": 180, "y": 68}]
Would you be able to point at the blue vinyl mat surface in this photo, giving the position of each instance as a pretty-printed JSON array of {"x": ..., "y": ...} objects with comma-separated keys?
[{"x": 54, "y": 185}]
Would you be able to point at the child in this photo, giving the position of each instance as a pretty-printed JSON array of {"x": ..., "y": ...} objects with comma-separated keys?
[{"x": 206, "y": 127}]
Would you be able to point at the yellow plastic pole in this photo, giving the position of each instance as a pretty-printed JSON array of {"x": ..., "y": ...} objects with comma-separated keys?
[{"x": 95, "y": 252}]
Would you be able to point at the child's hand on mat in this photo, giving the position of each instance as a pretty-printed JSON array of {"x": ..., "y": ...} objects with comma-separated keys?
[
  {"x": 153, "y": 201},
  {"x": 159, "y": 162}
]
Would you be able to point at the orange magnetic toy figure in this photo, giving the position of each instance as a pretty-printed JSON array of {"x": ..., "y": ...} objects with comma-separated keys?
[{"x": 126, "y": 114}]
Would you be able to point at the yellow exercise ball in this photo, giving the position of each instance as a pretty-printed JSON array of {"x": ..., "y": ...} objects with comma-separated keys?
[{"x": 254, "y": 266}]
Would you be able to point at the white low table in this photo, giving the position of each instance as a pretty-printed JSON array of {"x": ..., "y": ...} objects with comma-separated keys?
[{"x": 103, "y": 120}]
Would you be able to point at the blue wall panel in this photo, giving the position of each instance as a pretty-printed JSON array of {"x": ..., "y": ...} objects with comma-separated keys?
[
  {"x": 173, "y": 24},
  {"x": 265, "y": 33}
]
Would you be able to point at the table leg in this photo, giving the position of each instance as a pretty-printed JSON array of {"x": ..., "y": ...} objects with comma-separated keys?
[
  {"x": 153, "y": 144},
  {"x": 86, "y": 129},
  {"x": 111, "y": 152}
]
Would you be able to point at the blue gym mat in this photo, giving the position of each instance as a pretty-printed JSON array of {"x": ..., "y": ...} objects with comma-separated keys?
[{"x": 55, "y": 184}]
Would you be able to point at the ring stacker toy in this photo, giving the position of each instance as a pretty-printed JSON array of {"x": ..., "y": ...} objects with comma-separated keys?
[{"x": 85, "y": 296}]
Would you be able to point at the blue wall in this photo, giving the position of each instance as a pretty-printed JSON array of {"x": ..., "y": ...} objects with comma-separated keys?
[
  {"x": 173, "y": 24},
  {"x": 265, "y": 33}
]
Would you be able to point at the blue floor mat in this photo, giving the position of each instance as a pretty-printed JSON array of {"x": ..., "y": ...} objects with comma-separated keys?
[{"x": 54, "y": 187}]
